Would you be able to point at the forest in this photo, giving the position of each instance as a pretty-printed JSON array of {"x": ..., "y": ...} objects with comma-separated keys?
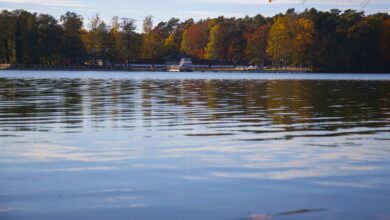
[{"x": 325, "y": 41}]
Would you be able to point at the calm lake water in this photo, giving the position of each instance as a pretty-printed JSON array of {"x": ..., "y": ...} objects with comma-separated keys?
[{"x": 178, "y": 146}]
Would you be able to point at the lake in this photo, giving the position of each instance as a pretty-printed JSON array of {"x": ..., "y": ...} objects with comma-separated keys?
[{"x": 190, "y": 146}]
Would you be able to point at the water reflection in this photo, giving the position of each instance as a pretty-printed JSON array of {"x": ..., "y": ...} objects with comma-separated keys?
[
  {"x": 249, "y": 142},
  {"x": 294, "y": 105}
]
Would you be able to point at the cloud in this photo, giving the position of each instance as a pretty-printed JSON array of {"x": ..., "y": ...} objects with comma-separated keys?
[
  {"x": 289, "y": 2},
  {"x": 211, "y": 14},
  {"x": 81, "y": 169},
  {"x": 52, "y": 152},
  {"x": 62, "y": 3}
]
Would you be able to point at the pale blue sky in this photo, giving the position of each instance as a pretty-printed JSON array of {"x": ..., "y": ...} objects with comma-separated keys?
[{"x": 162, "y": 10}]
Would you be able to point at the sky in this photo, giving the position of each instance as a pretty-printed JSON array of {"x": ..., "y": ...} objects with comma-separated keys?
[{"x": 162, "y": 10}]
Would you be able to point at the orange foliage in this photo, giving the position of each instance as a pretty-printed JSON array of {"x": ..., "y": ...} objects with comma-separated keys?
[{"x": 195, "y": 39}]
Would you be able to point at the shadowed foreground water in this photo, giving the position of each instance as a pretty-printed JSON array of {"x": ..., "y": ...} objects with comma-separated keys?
[{"x": 174, "y": 148}]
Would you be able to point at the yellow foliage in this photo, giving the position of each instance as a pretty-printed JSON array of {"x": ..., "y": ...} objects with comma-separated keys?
[
  {"x": 215, "y": 44},
  {"x": 304, "y": 35},
  {"x": 280, "y": 40},
  {"x": 289, "y": 40},
  {"x": 169, "y": 41}
]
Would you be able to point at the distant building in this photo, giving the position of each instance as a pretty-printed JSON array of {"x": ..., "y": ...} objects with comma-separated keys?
[
  {"x": 174, "y": 59},
  {"x": 5, "y": 66}
]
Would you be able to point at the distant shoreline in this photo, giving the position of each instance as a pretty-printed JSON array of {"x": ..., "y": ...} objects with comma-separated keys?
[
  {"x": 154, "y": 68},
  {"x": 195, "y": 71}
]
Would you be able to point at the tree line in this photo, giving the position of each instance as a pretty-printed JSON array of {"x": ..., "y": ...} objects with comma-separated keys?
[{"x": 326, "y": 41}]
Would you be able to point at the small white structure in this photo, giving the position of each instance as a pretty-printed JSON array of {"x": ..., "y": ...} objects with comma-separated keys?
[
  {"x": 185, "y": 65},
  {"x": 247, "y": 68},
  {"x": 5, "y": 66}
]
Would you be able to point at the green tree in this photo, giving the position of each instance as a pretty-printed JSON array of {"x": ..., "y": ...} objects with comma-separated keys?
[
  {"x": 366, "y": 52},
  {"x": 385, "y": 44},
  {"x": 165, "y": 29},
  {"x": 7, "y": 37},
  {"x": 49, "y": 34},
  {"x": 72, "y": 47},
  {"x": 129, "y": 40},
  {"x": 25, "y": 37},
  {"x": 328, "y": 53}
]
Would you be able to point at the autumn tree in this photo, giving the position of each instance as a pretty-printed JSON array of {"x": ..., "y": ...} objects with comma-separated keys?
[
  {"x": 179, "y": 32},
  {"x": 280, "y": 40},
  {"x": 256, "y": 49},
  {"x": 93, "y": 40},
  {"x": 235, "y": 41},
  {"x": 195, "y": 39},
  {"x": 170, "y": 33},
  {"x": 152, "y": 46},
  {"x": 214, "y": 49},
  {"x": 170, "y": 45},
  {"x": 115, "y": 38},
  {"x": 303, "y": 35},
  {"x": 290, "y": 39},
  {"x": 152, "y": 43}
]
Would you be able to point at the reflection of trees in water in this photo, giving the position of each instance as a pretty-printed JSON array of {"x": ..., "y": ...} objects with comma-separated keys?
[
  {"x": 284, "y": 102},
  {"x": 353, "y": 100},
  {"x": 47, "y": 102},
  {"x": 146, "y": 102},
  {"x": 41, "y": 103},
  {"x": 289, "y": 101},
  {"x": 305, "y": 101}
]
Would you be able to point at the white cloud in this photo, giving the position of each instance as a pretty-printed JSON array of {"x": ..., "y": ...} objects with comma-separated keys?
[
  {"x": 289, "y": 2},
  {"x": 210, "y": 14},
  {"x": 62, "y": 3}
]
